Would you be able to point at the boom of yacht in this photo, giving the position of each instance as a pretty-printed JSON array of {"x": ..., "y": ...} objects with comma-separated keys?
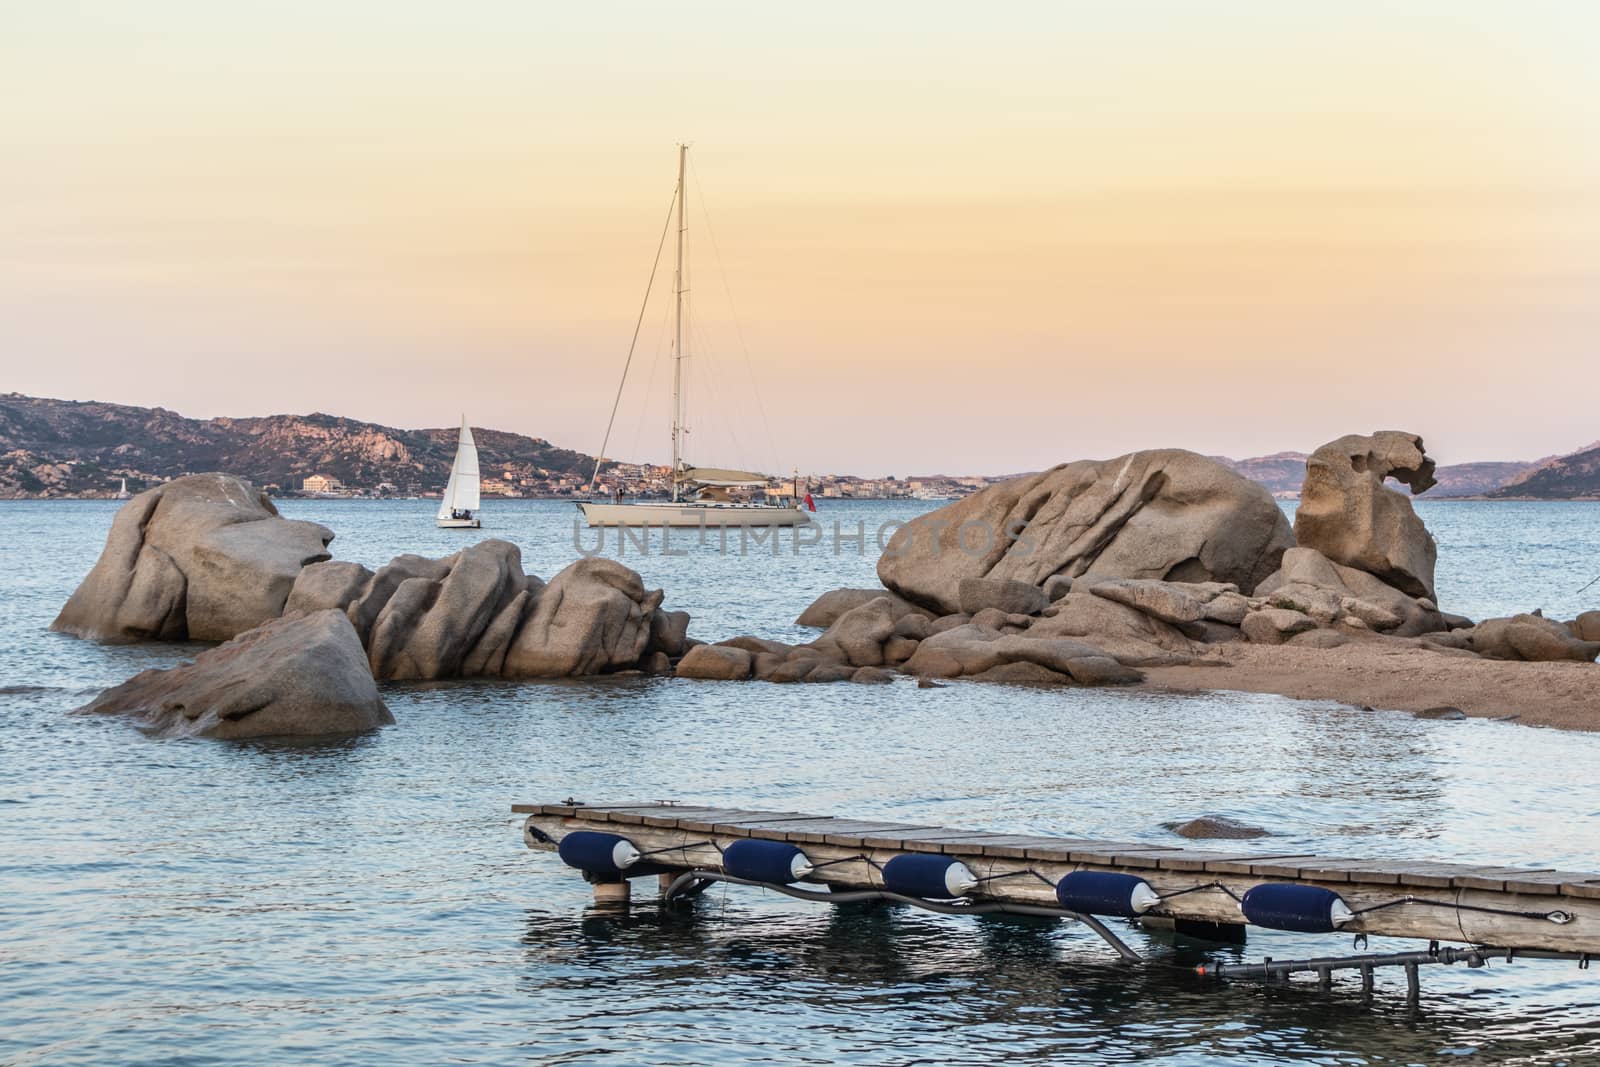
[{"x": 701, "y": 496}]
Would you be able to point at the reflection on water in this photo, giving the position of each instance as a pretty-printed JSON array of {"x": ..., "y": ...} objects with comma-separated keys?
[
  {"x": 888, "y": 984},
  {"x": 366, "y": 899}
]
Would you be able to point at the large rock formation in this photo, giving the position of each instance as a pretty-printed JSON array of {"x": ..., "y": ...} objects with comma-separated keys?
[
  {"x": 301, "y": 676},
  {"x": 1090, "y": 571},
  {"x": 434, "y": 625},
  {"x": 203, "y": 558},
  {"x": 207, "y": 557},
  {"x": 1348, "y": 515},
  {"x": 477, "y": 614},
  {"x": 1165, "y": 514},
  {"x": 595, "y": 616}
]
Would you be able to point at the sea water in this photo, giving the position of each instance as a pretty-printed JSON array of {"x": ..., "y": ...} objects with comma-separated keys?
[{"x": 369, "y": 900}]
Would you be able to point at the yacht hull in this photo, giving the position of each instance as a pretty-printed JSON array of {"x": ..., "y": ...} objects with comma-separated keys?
[
  {"x": 458, "y": 524},
  {"x": 666, "y": 513}
]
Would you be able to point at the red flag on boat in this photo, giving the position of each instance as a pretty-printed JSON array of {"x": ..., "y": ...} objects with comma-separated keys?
[{"x": 811, "y": 504}]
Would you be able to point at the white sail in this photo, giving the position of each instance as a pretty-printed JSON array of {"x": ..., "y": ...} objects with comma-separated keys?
[{"x": 461, "y": 492}]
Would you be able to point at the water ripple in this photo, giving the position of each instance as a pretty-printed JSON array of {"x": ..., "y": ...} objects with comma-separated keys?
[{"x": 368, "y": 899}]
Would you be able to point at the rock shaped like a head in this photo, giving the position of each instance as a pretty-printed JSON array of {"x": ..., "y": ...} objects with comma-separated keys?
[{"x": 1351, "y": 517}]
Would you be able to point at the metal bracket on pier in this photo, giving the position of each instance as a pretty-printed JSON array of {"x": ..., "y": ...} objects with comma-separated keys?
[
  {"x": 1270, "y": 970},
  {"x": 685, "y": 883}
]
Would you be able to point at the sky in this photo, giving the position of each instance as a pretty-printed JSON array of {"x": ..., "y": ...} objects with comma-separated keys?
[{"x": 923, "y": 237}]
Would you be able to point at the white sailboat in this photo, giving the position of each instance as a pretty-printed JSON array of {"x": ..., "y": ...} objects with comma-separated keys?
[
  {"x": 458, "y": 508},
  {"x": 701, "y": 496}
]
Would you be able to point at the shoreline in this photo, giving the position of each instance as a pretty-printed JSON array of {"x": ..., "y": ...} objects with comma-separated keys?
[
  {"x": 828, "y": 500},
  {"x": 1375, "y": 676}
]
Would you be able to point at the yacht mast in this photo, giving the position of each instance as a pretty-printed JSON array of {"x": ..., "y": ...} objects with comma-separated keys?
[{"x": 677, "y": 348}]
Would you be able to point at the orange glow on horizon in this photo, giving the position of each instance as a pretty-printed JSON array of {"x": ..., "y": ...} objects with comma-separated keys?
[{"x": 954, "y": 245}]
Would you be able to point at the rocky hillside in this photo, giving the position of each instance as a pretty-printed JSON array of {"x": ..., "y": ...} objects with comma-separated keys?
[
  {"x": 58, "y": 448},
  {"x": 1281, "y": 473},
  {"x": 70, "y": 448},
  {"x": 1474, "y": 479},
  {"x": 1571, "y": 477}
]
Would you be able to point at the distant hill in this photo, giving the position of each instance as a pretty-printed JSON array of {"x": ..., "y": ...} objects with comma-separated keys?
[
  {"x": 56, "y": 448},
  {"x": 1575, "y": 476},
  {"x": 1475, "y": 479},
  {"x": 1283, "y": 472},
  {"x": 83, "y": 448}
]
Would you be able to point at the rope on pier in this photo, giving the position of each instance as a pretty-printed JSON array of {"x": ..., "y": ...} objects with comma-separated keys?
[
  {"x": 682, "y": 848},
  {"x": 1197, "y": 888},
  {"x": 1560, "y": 918}
]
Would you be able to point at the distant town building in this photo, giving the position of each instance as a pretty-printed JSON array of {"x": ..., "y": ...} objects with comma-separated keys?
[{"x": 321, "y": 483}]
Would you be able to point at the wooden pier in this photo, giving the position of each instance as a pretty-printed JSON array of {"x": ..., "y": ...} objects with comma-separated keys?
[{"x": 1504, "y": 908}]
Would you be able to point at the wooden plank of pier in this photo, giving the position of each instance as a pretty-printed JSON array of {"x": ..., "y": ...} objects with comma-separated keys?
[{"x": 690, "y": 837}]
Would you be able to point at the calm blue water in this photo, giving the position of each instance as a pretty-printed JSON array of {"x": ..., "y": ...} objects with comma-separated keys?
[{"x": 369, "y": 900}]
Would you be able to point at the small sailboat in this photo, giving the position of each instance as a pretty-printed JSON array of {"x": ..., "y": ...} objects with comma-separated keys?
[
  {"x": 458, "y": 508},
  {"x": 122, "y": 493},
  {"x": 701, "y": 496}
]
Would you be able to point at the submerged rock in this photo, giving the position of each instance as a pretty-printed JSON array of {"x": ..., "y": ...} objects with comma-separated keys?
[
  {"x": 1164, "y": 514},
  {"x": 1443, "y": 712},
  {"x": 1347, "y": 514},
  {"x": 204, "y": 558},
  {"x": 302, "y": 676},
  {"x": 1215, "y": 826}
]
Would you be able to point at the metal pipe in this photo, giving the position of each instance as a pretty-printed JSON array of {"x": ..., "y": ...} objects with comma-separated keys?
[
  {"x": 1472, "y": 957},
  {"x": 1324, "y": 964}
]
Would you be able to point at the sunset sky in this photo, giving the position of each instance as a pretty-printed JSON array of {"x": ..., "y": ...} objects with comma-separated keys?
[{"x": 969, "y": 238}]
